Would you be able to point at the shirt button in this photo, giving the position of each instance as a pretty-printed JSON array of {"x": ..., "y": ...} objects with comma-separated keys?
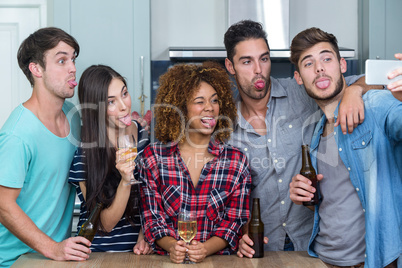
[
  {"x": 363, "y": 143},
  {"x": 276, "y": 161},
  {"x": 334, "y": 132},
  {"x": 349, "y": 168},
  {"x": 245, "y": 149},
  {"x": 340, "y": 149},
  {"x": 269, "y": 140},
  {"x": 365, "y": 255},
  {"x": 283, "y": 224},
  {"x": 357, "y": 189},
  {"x": 280, "y": 180},
  {"x": 282, "y": 202},
  {"x": 364, "y": 210},
  {"x": 290, "y": 126}
]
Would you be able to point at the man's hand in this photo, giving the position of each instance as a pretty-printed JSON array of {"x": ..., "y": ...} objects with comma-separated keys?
[
  {"x": 397, "y": 85},
  {"x": 71, "y": 249},
  {"x": 351, "y": 109},
  {"x": 245, "y": 245},
  {"x": 300, "y": 189}
]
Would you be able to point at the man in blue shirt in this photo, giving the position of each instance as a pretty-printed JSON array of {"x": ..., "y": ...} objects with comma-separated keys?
[
  {"x": 37, "y": 145},
  {"x": 358, "y": 219}
]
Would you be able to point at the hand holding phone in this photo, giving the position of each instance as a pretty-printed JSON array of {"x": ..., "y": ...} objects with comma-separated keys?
[{"x": 377, "y": 71}]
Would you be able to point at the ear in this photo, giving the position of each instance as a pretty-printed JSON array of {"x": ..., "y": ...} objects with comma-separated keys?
[
  {"x": 298, "y": 78},
  {"x": 344, "y": 65},
  {"x": 229, "y": 66},
  {"x": 36, "y": 69}
]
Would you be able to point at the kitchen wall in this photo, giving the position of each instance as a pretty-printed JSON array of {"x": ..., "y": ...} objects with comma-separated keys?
[{"x": 204, "y": 22}]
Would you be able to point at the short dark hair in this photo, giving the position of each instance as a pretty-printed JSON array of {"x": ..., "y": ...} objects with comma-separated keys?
[
  {"x": 241, "y": 31},
  {"x": 309, "y": 38},
  {"x": 34, "y": 47}
]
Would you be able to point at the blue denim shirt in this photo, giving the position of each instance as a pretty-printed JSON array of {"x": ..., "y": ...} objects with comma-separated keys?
[{"x": 373, "y": 154}]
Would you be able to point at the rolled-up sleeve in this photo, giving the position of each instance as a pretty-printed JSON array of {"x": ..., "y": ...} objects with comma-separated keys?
[
  {"x": 237, "y": 210},
  {"x": 153, "y": 214}
]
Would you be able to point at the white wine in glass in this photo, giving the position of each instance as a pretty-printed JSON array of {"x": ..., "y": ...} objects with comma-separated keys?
[
  {"x": 187, "y": 226},
  {"x": 129, "y": 142}
]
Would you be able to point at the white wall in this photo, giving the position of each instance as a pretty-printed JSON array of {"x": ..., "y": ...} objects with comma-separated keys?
[
  {"x": 188, "y": 23},
  {"x": 196, "y": 23},
  {"x": 338, "y": 17}
]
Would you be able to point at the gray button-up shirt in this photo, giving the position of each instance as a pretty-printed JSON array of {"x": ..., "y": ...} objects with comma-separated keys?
[{"x": 276, "y": 157}]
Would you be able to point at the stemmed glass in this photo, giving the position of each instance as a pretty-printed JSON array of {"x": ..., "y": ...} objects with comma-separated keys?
[
  {"x": 187, "y": 229},
  {"x": 129, "y": 142}
]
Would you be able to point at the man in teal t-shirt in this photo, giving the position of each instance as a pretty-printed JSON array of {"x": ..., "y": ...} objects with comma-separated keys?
[{"x": 37, "y": 144}]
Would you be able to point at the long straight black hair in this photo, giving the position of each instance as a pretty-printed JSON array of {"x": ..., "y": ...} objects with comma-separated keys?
[{"x": 99, "y": 154}]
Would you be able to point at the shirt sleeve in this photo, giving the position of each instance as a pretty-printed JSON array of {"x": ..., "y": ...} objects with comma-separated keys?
[
  {"x": 237, "y": 211},
  {"x": 15, "y": 157},
  {"x": 77, "y": 170},
  {"x": 153, "y": 214}
]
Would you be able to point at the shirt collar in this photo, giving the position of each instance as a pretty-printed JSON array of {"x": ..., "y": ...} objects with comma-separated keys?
[{"x": 214, "y": 148}]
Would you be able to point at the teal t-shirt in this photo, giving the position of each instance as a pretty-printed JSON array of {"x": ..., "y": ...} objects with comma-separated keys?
[{"x": 38, "y": 162}]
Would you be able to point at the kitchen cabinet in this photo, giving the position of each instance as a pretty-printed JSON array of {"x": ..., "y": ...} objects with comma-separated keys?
[
  {"x": 114, "y": 33},
  {"x": 380, "y": 24}
]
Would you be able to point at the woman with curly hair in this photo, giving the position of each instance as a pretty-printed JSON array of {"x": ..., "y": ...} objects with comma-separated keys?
[{"x": 191, "y": 168}]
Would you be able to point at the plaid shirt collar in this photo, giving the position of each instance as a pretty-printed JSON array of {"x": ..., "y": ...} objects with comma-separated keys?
[{"x": 214, "y": 148}]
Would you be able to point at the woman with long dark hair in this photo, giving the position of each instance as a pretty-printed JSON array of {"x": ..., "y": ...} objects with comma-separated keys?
[{"x": 102, "y": 173}]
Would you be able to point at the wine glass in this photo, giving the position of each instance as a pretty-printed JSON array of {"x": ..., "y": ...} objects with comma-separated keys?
[
  {"x": 187, "y": 229},
  {"x": 129, "y": 142}
]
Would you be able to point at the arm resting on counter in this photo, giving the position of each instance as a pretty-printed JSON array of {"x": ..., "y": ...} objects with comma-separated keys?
[{"x": 18, "y": 223}]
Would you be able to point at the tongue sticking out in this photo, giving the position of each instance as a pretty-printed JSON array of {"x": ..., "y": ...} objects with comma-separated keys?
[
  {"x": 72, "y": 83},
  {"x": 259, "y": 84},
  {"x": 209, "y": 122},
  {"x": 322, "y": 84},
  {"x": 126, "y": 120}
]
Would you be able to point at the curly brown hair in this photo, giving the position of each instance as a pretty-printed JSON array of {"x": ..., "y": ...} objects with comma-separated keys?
[{"x": 177, "y": 86}]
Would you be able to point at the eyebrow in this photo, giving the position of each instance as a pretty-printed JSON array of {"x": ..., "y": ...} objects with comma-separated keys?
[
  {"x": 213, "y": 95},
  {"x": 249, "y": 57},
  {"x": 321, "y": 52},
  {"x": 120, "y": 91}
]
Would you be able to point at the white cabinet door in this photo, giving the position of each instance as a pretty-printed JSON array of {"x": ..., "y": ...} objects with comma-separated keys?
[
  {"x": 114, "y": 33},
  {"x": 18, "y": 19}
]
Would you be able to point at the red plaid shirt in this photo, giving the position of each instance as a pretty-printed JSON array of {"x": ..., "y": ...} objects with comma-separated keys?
[{"x": 220, "y": 199}]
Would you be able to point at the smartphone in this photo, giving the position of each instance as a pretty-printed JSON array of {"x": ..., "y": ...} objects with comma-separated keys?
[{"x": 377, "y": 71}]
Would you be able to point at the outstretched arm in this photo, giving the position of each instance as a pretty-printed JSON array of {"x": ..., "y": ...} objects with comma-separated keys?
[
  {"x": 18, "y": 223},
  {"x": 396, "y": 87}
]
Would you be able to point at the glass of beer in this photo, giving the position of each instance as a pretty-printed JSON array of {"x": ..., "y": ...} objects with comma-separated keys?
[
  {"x": 187, "y": 229},
  {"x": 128, "y": 142}
]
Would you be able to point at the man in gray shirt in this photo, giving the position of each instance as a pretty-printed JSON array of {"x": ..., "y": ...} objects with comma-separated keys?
[{"x": 273, "y": 121}]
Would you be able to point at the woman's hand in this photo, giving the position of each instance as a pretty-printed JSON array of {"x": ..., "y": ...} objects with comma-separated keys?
[
  {"x": 125, "y": 164},
  {"x": 178, "y": 251},
  {"x": 142, "y": 246},
  {"x": 196, "y": 251}
]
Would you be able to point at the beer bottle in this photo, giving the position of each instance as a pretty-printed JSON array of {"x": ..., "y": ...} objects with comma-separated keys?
[
  {"x": 308, "y": 171},
  {"x": 256, "y": 230},
  {"x": 90, "y": 226}
]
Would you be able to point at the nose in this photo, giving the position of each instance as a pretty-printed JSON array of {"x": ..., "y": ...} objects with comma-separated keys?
[
  {"x": 319, "y": 68},
  {"x": 72, "y": 67},
  {"x": 208, "y": 106},
  {"x": 257, "y": 68},
  {"x": 122, "y": 106}
]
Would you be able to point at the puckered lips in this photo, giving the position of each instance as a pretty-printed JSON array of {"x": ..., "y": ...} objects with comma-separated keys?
[
  {"x": 72, "y": 83},
  {"x": 125, "y": 119},
  {"x": 208, "y": 121},
  {"x": 322, "y": 82},
  {"x": 259, "y": 84}
]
